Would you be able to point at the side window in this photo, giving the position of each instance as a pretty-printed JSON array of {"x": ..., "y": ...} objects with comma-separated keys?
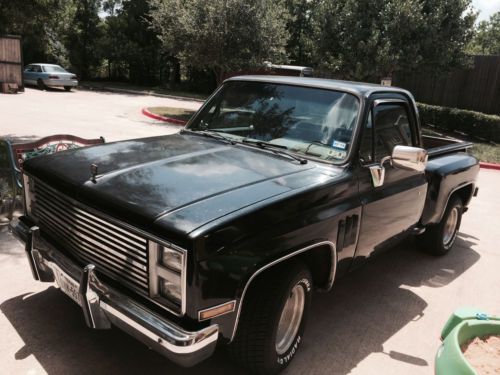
[
  {"x": 391, "y": 128},
  {"x": 366, "y": 146},
  {"x": 37, "y": 68}
]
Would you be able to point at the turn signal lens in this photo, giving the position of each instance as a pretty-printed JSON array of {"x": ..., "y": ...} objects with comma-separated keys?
[{"x": 217, "y": 311}]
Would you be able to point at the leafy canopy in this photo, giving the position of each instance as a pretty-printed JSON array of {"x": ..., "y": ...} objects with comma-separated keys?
[
  {"x": 369, "y": 39},
  {"x": 43, "y": 24},
  {"x": 487, "y": 37},
  {"x": 222, "y": 35}
]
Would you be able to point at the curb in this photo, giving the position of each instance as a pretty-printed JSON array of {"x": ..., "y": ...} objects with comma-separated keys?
[
  {"x": 170, "y": 120},
  {"x": 133, "y": 92},
  {"x": 489, "y": 166}
]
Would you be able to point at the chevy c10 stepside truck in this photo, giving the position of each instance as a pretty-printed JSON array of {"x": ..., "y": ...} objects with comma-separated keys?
[{"x": 219, "y": 234}]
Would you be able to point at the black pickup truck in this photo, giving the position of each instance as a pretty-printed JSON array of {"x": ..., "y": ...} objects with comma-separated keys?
[{"x": 219, "y": 234}]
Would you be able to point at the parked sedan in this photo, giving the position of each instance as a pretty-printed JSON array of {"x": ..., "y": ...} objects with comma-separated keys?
[{"x": 49, "y": 75}]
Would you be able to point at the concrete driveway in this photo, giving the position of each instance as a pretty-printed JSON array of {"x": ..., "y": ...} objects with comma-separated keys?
[
  {"x": 88, "y": 114},
  {"x": 383, "y": 318}
]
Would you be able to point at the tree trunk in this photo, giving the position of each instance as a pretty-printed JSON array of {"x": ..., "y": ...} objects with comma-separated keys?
[
  {"x": 219, "y": 75},
  {"x": 174, "y": 72}
]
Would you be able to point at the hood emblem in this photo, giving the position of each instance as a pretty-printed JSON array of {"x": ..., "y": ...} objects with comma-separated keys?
[{"x": 93, "y": 172}]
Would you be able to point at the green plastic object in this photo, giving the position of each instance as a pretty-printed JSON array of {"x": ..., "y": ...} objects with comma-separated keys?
[{"x": 463, "y": 325}]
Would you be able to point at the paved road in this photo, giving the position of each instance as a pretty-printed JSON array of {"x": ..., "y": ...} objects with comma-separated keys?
[
  {"x": 383, "y": 318},
  {"x": 88, "y": 114}
]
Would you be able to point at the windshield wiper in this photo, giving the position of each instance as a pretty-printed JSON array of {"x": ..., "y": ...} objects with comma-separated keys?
[
  {"x": 210, "y": 134},
  {"x": 277, "y": 149}
]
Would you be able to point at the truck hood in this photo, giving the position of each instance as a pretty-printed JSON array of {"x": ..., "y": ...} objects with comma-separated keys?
[{"x": 175, "y": 183}]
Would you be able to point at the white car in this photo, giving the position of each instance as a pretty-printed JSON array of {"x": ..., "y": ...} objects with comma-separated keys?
[{"x": 49, "y": 75}]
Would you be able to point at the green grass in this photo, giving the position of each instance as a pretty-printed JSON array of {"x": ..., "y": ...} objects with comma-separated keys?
[
  {"x": 144, "y": 89},
  {"x": 176, "y": 113},
  {"x": 487, "y": 152}
]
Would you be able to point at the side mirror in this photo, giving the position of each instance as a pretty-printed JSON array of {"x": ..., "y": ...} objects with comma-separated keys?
[
  {"x": 409, "y": 158},
  {"x": 403, "y": 157}
]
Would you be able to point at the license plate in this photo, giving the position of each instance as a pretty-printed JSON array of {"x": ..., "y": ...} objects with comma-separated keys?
[{"x": 68, "y": 285}]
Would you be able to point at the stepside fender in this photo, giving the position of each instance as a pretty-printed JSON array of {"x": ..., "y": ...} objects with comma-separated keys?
[{"x": 456, "y": 173}]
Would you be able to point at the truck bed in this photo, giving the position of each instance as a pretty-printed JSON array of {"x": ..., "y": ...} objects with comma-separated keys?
[{"x": 437, "y": 146}]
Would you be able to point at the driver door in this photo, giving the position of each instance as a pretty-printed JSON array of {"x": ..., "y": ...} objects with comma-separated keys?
[{"x": 396, "y": 206}]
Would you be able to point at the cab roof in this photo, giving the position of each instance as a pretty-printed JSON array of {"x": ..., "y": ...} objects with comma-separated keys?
[{"x": 358, "y": 88}]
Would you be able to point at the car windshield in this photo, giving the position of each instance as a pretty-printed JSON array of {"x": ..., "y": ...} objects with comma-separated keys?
[
  {"x": 53, "y": 69},
  {"x": 305, "y": 120}
]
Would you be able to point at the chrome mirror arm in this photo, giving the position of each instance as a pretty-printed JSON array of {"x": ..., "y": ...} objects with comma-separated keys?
[
  {"x": 378, "y": 174},
  {"x": 378, "y": 171},
  {"x": 386, "y": 159}
]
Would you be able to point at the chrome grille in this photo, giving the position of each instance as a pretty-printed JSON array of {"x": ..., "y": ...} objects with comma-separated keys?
[{"x": 115, "y": 250}]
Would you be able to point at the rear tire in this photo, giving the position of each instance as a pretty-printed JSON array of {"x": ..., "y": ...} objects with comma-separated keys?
[
  {"x": 438, "y": 239},
  {"x": 40, "y": 84},
  {"x": 273, "y": 319},
  {"x": 67, "y": 88}
]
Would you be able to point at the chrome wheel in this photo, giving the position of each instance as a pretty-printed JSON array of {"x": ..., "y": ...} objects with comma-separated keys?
[
  {"x": 450, "y": 227},
  {"x": 290, "y": 319}
]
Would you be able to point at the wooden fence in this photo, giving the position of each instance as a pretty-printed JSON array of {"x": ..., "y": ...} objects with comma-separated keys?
[
  {"x": 476, "y": 89},
  {"x": 11, "y": 60}
]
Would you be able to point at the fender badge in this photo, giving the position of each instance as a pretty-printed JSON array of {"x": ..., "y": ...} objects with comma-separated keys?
[{"x": 93, "y": 172}]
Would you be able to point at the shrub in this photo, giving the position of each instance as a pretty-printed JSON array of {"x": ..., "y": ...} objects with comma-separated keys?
[{"x": 475, "y": 124}]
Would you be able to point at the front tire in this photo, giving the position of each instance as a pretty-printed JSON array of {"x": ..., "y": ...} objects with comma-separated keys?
[
  {"x": 273, "y": 318},
  {"x": 40, "y": 84},
  {"x": 67, "y": 88},
  {"x": 438, "y": 239}
]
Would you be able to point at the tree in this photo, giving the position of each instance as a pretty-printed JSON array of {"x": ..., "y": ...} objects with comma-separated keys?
[
  {"x": 301, "y": 25},
  {"x": 43, "y": 24},
  {"x": 129, "y": 46},
  {"x": 221, "y": 35},
  {"x": 487, "y": 37},
  {"x": 83, "y": 37},
  {"x": 370, "y": 39},
  {"x": 110, "y": 7}
]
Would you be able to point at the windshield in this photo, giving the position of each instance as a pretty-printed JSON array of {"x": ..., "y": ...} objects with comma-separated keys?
[
  {"x": 53, "y": 69},
  {"x": 309, "y": 121}
]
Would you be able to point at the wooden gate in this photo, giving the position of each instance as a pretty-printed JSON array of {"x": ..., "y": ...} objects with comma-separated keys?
[{"x": 11, "y": 60}]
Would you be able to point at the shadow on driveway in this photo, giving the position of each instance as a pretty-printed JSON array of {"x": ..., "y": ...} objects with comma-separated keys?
[
  {"x": 371, "y": 304},
  {"x": 363, "y": 311}
]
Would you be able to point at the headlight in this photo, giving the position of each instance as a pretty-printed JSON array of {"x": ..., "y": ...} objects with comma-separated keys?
[
  {"x": 167, "y": 275},
  {"x": 172, "y": 258},
  {"x": 29, "y": 193},
  {"x": 171, "y": 290}
]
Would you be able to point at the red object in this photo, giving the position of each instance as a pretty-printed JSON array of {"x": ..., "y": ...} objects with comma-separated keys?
[
  {"x": 163, "y": 118},
  {"x": 54, "y": 143},
  {"x": 489, "y": 166}
]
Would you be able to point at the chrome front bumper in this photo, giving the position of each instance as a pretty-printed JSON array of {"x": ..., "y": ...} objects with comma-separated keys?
[{"x": 103, "y": 305}]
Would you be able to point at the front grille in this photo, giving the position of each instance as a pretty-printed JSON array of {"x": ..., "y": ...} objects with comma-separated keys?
[{"x": 113, "y": 249}]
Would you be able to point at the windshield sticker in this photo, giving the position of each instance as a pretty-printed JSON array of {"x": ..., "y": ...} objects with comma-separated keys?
[
  {"x": 337, "y": 154},
  {"x": 338, "y": 144}
]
